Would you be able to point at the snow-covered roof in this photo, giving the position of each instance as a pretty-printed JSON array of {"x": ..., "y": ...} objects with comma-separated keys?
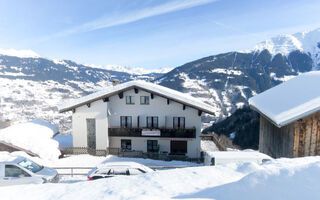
[
  {"x": 139, "y": 84},
  {"x": 35, "y": 136},
  {"x": 291, "y": 100}
]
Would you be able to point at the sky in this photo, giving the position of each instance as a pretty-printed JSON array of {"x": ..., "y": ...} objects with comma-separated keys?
[{"x": 148, "y": 33}]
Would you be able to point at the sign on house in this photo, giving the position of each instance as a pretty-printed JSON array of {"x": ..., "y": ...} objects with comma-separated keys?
[{"x": 147, "y": 132}]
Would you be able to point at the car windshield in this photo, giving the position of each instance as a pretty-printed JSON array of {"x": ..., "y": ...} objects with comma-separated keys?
[{"x": 30, "y": 165}]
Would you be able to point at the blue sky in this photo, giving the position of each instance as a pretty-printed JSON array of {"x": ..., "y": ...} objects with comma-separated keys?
[{"x": 148, "y": 33}]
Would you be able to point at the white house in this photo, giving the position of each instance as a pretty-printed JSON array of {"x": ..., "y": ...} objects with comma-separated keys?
[{"x": 139, "y": 116}]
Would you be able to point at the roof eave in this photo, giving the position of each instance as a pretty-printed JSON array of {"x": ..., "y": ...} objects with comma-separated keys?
[
  {"x": 265, "y": 116},
  {"x": 128, "y": 88},
  {"x": 289, "y": 121}
]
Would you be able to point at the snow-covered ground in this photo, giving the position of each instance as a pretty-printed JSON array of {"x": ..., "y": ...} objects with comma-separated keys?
[
  {"x": 278, "y": 179},
  {"x": 208, "y": 145}
]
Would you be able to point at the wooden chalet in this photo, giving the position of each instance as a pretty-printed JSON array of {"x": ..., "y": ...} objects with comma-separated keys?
[{"x": 290, "y": 117}]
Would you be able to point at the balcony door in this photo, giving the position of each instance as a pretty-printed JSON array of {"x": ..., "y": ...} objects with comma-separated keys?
[
  {"x": 126, "y": 121},
  {"x": 152, "y": 122},
  {"x": 179, "y": 122},
  {"x": 91, "y": 133}
]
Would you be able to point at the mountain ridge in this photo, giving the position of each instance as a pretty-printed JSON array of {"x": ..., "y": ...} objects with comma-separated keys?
[{"x": 33, "y": 86}]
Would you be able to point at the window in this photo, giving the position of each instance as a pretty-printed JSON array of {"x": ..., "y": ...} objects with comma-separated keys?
[
  {"x": 126, "y": 121},
  {"x": 129, "y": 99},
  {"x": 29, "y": 165},
  {"x": 144, "y": 100},
  {"x": 178, "y": 122},
  {"x": 121, "y": 171},
  {"x": 103, "y": 171},
  {"x": 152, "y": 146},
  {"x": 152, "y": 122},
  {"x": 133, "y": 171},
  {"x": 126, "y": 145},
  {"x": 14, "y": 171}
]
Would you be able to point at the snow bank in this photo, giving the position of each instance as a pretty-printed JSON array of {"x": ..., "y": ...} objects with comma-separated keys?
[
  {"x": 291, "y": 100},
  {"x": 35, "y": 136},
  {"x": 293, "y": 179},
  {"x": 155, "y": 185},
  {"x": 6, "y": 156},
  {"x": 208, "y": 145}
]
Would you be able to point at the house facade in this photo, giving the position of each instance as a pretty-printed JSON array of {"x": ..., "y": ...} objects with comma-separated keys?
[
  {"x": 290, "y": 117},
  {"x": 138, "y": 116}
]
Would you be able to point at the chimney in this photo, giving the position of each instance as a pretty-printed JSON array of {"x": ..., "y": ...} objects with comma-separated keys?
[{"x": 115, "y": 82}]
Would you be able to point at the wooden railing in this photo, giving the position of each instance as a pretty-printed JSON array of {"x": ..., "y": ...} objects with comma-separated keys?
[{"x": 164, "y": 132}]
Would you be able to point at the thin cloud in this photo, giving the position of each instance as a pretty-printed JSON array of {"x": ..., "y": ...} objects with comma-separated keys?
[{"x": 107, "y": 21}]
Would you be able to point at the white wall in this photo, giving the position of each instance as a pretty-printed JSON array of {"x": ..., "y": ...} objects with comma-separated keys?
[{"x": 97, "y": 110}]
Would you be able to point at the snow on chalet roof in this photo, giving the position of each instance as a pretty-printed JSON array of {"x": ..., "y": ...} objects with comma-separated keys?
[
  {"x": 147, "y": 86},
  {"x": 291, "y": 100}
]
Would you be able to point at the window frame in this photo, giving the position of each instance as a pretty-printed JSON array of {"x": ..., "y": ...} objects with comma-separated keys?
[
  {"x": 151, "y": 122},
  {"x": 130, "y": 100},
  {"x": 179, "y": 122},
  {"x": 126, "y": 120},
  {"x": 144, "y": 100},
  {"x": 126, "y": 145},
  {"x": 26, "y": 174},
  {"x": 152, "y": 143}
]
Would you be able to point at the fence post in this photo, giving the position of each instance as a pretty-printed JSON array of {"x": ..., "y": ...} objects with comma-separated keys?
[{"x": 71, "y": 172}]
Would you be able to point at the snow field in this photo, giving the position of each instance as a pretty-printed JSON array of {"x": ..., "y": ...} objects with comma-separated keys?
[{"x": 278, "y": 179}]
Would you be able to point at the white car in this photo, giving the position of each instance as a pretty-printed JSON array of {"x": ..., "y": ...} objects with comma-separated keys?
[
  {"x": 24, "y": 171},
  {"x": 111, "y": 169}
]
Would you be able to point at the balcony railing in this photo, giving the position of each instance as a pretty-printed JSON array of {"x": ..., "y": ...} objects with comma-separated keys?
[{"x": 163, "y": 132}]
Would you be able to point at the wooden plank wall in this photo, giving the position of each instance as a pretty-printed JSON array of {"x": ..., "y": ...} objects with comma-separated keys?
[
  {"x": 276, "y": 142},
  {"x": 307, "y": 136}
]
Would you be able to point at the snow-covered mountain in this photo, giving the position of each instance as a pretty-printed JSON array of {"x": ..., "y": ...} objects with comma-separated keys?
[
  {"x": 132, "y": 70},
  {"x": 19, "y": 53},
  {"x": 32, "y": 86},
  {"x": 307, "y": 42},
  {"x": 227, "y": 80}
]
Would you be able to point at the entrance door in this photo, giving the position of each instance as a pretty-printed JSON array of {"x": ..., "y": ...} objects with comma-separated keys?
[
  {"x": 91, "y": 133},
  {"x": 179, "y": 147}
]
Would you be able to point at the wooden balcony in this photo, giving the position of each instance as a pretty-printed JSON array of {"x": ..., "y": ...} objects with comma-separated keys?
[{"x": 164, "y": 132}]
